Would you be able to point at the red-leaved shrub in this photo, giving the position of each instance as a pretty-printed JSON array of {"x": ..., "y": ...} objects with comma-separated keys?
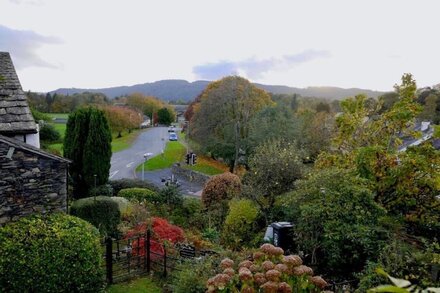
[{"x": 162, "y": 231}]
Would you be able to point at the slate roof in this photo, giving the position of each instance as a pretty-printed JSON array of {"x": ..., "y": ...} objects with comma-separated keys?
[
  {"x": 15, "y": 115},
  {"x": 17, "y": 144}
]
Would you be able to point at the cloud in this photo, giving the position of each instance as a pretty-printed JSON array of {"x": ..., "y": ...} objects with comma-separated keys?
[
  {"x": 253, "y": 68},
  {"x": 22, "y": 44},
  {"x": 28, "y": 2}
]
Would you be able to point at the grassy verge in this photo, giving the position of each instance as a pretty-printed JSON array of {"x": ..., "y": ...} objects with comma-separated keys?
[
  {"x": 174, "y": 152},
  {"x": 141, "y": 285},
  {"x": 208, "y": 166},
  {"x": 124, "y": 142}
]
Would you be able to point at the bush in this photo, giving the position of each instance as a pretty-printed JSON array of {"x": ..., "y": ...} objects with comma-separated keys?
[
  {"x": 139, "y": 195},
  {"x": 191, "y": 277},
  {"x": 239, "y": 227},
  {"x": 102, "y": 212},
  {"x": 117, "y": 185},
  {"x": 55, "y": 253},
  {"x": 219, "y": 188},
  {"x": 49, "y": 134},
  {"x": 337, "y": 221},
  {"x": 102, "y": 190}
]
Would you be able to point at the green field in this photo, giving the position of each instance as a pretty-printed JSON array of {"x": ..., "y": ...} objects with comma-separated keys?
[
  {"x": 118, "y": 144},
  {"x": 141, "y": 285},
  {"x": 174, "y": 152},
  {"x": 57, "y": 115}
]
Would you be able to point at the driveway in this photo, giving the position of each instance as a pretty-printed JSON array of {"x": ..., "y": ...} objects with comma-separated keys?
[{"x": 124, "y": 163}]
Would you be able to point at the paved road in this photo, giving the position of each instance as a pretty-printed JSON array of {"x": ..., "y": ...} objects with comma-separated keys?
[{"x": 123, "y": 163}]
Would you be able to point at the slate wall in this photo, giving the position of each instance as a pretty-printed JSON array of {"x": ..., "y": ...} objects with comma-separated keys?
[{"x": 30, "y": 183}]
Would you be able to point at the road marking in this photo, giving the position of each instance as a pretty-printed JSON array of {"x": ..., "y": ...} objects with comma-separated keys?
[
  {"x": 113, "y": 173},
  {"x": 129, "y": 164}
]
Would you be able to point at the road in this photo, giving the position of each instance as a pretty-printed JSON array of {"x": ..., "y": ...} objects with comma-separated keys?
[{"x": 124, "y": 163}]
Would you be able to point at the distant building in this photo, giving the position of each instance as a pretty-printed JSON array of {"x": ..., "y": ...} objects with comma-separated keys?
[
  {"x": 31, "y": 180},
  {"x": 15, "y": 116}
]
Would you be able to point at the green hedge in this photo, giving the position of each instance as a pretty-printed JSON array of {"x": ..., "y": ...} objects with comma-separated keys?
[
  {"x": 102, "y": 212},
  {"x": 117, "y": 185},
  {"x": 55, "y": 253},
  {"x": 140, "y": 194}
]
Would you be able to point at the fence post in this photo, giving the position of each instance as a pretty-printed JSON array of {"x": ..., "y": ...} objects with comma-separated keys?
[
  {"x": 164, "y": 261},
  {"x": 109, "y": 259},
  {"x": 148, "y": 250}
]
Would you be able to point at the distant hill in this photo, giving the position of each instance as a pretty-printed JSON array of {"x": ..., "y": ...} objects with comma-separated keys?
[{"x": 181, "y": 89}]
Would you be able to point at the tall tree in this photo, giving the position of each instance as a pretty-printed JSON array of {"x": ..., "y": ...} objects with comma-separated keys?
[
  {"x": 220, "y": 123},
  {"x": 165, "y": 116},
  {"x": 87, "y": 143}
]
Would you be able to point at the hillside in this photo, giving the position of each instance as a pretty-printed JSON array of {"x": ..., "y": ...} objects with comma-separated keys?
[{"x": 182, "y": 89}]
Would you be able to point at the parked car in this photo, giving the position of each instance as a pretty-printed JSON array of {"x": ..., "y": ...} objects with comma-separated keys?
[
  {"x": 171, "y": 129},
  {"x": 173, "y": 136}
]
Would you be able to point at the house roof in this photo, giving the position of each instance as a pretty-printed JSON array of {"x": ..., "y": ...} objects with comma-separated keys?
[
  {"x": 17, "y": 144},
  {"x": 15, "y": 115}
]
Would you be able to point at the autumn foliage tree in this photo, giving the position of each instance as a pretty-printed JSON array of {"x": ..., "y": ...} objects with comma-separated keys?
[
  {"x": 221, "y": 120},
  {"x": 122, "y": 118}
]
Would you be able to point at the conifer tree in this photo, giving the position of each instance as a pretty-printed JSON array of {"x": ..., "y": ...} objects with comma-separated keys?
[{"x": 87, "y": 143}]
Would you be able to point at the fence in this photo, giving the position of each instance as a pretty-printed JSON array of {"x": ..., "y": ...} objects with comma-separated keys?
[{"x": 127, "y": 258}]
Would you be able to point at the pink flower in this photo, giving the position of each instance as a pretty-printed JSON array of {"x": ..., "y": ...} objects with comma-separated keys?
[
  {"x": 282, "y": 268},
  {"x": 270, "y": 287},
  {"x": 244, "y": 274},
  {"x": 245, "y": 263},
  {"x": 260, "y": 278},
  {"x": 273, "y": 275},
  {"x": 302, "y": 270},
  {"x": 284, "y": 288},
  {"x": 267, "y": 265},
  {"x": 319, "y": 282},
  {"x": 292, "y": 260},
  {"x": 226, "y": 263},
  {"x": 229, "y": 271}
]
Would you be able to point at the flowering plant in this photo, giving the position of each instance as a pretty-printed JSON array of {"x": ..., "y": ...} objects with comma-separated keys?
[{"x": 268, "y": 271}]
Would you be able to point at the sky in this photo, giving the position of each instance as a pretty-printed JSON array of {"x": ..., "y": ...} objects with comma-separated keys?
[{"x": 102, "y": 43}]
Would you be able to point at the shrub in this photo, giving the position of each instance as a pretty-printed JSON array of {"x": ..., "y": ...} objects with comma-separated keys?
[
  {"x": 117, "y": 185},
  {"x": 337, "y": 221},
  {"x": 54, "y": 253},
  {"x": 102, "y": 190},
  {"x": 190, "y": 276},
  {"x": 139, "y": 195},
  {"x": 239, "y": 226},
  {"x": 48, "y": 133},
  {"x": 162, "y": 231},
  {"x": 219, "y": 188},
  {"x": 101, "y": 212}
]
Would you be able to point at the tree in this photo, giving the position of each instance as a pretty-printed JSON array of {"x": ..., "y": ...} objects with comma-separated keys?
[
  {"x": 274, "y": 168},
  {"x": 405, "y": 183},
  {"x": 220, "y": 124},
  {"x": 336, "y": 221},
  {"x": 122, "y": 118},
  {"x": 87, "y": 143},
  {"x": 165, "y": 116},
  {"x": 272, "y": 122}
]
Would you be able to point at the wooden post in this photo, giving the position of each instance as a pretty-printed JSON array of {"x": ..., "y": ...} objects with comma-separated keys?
[
  {"x": 148, "y": 250},
  {"x": 164, "y": 261},
  {"x": 109, "y": 259}
]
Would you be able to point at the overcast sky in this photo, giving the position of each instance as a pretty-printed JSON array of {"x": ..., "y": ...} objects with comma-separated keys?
[{"x": 103, "y": 43}]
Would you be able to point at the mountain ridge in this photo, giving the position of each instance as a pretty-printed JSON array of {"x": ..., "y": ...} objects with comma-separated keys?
[{"x": 175, "y": 89}]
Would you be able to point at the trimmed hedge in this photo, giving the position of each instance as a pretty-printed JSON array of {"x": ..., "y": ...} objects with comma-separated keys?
[
  {"x": 102, "y": 212},
  {"x": 117, "y": 185},
  {"x": 52, "y": 253},
  {"x": 140, "y": 195}
]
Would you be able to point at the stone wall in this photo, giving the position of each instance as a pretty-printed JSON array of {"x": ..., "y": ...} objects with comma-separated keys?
[
  {"x": 30, "y": 183},
  {"x": 189, "y": 175}
]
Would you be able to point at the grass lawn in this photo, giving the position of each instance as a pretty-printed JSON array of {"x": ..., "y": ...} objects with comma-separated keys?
[
  {"x": 141, "y": 285},
  {"x": 208, "y": 166},
  {"x": 57, "y": 115},
  {"x": 174, "y": 152},
  {"x": 119, "y": 144},
  {"x": 60, "y": 127}
]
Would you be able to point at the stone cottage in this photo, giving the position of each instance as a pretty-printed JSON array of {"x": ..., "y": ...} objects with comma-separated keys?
[{"x": 31, "y": 180}]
